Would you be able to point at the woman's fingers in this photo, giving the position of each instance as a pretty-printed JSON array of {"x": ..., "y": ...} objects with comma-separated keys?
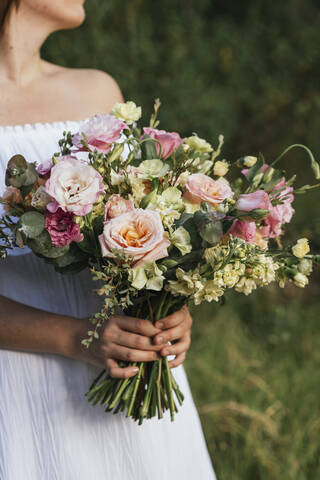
[
  {"x": 178, "y": 360},
  {"x": 135, "y": 325},
  {"x": 119, "y": 352},
  {"x": 117, "y": 372},
  {"x": 179, "y": 347},
  {"x": 175, "y": 319},
  {"x": 174, "y": 333},
  {"x": 132, "y": 340}
]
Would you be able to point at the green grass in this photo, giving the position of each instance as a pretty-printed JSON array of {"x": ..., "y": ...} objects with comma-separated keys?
[{"x": 254, "y": 369}]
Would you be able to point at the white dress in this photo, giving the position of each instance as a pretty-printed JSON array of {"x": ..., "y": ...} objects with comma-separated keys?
[{"x": 48, "y": 430}]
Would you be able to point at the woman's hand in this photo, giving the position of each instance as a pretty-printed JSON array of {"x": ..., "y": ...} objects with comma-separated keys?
[
  {"x": 136, "y": 340},
  {"x": 176, "y": 328},
  {"x": 122, "y": 338}
]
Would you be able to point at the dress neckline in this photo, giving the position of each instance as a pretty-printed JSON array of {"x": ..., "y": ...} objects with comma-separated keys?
[{"x": 25, "y": 127}]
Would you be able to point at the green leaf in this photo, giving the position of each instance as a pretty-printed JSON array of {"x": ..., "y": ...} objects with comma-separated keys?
[
  {"x": 16, "y": 171},
  {"x": 31, "y": 224},
  {"x": 148, "y": 148},
  {"x": 42, "y": 245}
]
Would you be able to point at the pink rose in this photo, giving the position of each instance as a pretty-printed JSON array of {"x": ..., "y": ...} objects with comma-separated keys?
[
  {"x": 45, "y": 167},
  {"x": 139, "y": 233},
  {"x": 116, "y": 206},
  {"x": 62, "y": 229},
  {"x": 168, "y": 141},
  {"x": 250, "y": 201},
  {"x": 100, "y": 132},
  {"x": 244, "y": 230},
  {"x": 74, "y": 185},
  {"x": 201, "y": 188}
]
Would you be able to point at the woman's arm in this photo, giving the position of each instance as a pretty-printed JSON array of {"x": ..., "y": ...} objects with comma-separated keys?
[{"x": 29, "y": 329}]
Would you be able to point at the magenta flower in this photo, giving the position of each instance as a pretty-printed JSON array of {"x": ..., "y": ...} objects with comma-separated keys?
[
  {"x": 100, "y": 132},
  {"x": 169, "y": 141},
  {"x": 62, "y": 229}
]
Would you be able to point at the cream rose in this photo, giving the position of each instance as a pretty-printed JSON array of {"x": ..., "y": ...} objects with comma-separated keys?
[
  {"x": 139, "y": 233},
  {"x": 201, "y": 188}
]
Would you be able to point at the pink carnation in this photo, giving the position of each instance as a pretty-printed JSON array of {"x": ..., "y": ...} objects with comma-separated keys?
[
  {"x": 62, "y": 229},
  {"x": 244, "y": 230},
  {"x": 169, "y": 141},
  {"x": 278, "y": 216},
  {"x": 116, "y": 206},
  {"x": 100, "y": 132},
  {"x": 250, "y": 201}
]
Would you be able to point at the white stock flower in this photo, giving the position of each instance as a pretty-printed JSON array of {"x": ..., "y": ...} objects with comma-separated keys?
[
  {"x": 246, "y": 285},
  {"x": 180, "y": 238},
  {"x": 305, "y": 266}
]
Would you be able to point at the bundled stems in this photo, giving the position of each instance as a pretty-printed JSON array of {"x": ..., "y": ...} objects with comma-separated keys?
[{"x": 151, "y": 391}]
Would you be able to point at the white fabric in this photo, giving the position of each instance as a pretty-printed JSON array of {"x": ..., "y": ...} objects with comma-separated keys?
[{"x": 48, "y": 431}]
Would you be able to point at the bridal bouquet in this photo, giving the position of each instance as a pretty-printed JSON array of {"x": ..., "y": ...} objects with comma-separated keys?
[{"x": 160, "y": 222}]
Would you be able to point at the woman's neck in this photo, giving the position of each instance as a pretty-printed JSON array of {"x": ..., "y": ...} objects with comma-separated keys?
[{"x": 20, "y": 44}]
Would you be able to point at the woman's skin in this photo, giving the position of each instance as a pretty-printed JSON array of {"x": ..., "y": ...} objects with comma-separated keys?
[{"x": 33, "y": 90}]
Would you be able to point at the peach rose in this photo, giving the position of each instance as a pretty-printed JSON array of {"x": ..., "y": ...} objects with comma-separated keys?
[
  {"x": 201, "y": 188},
  {"x": 116, "y": 206},
  {"x": 139, "y": 233}
]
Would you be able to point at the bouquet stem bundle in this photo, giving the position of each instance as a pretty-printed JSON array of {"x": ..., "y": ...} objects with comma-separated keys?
[{"x": 151, "y": 392}]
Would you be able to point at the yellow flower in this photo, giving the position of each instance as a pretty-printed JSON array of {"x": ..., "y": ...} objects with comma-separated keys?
[
  {"x": 301, "y": 248},
  {"x": 220, "y": 168},
  {"x": 128, "y": 112},
  {"x": 198, "y": 144},
  {"x": 249, "y": 161}
]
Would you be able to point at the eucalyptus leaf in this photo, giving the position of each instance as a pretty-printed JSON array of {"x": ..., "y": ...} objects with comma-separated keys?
[
  {"x": 42, "y": 245},
  {"x": 31, "y": 224}
]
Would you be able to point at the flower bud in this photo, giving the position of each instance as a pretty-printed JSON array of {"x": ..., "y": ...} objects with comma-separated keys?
[{"x": 249, "y": 161}]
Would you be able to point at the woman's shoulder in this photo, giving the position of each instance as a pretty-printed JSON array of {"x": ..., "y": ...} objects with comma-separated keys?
[{"x": 100, "y": 90}]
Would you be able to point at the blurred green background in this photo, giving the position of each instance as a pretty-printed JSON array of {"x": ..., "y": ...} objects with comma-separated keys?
[{"x": 249, "y": 70}]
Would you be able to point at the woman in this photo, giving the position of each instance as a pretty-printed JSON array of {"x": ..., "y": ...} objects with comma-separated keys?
[{"x": 47, "y": 428}]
